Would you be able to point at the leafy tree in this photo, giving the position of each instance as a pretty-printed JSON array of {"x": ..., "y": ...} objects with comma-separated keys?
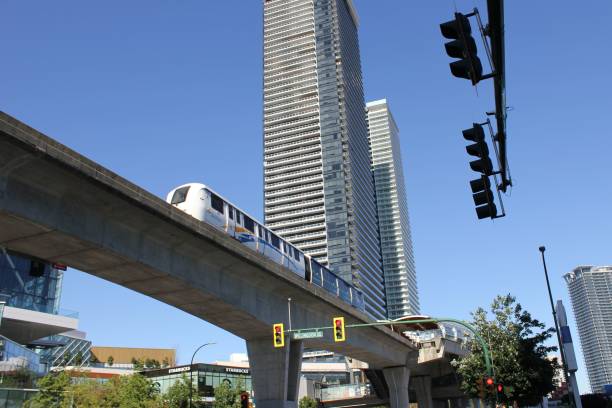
[
  {"x": 52, "y": 391},
  {"x": 307, "y": 402},
  {"x": 132, "y": 391},
  {"x": 165, "y": 362},
  {"x": 138, "y": 364},
  {"x": 110, "y": 360},
  {"x": 87, "y": 394},
  {"x": 227, "y": 396},
  {"x": 178, "y": 394},
  {"x": 515, "y": 341}
]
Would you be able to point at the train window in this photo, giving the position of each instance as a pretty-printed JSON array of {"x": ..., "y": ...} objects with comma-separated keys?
[
  {"x": 180, "y": 195},
  {"x": 275, "y": 241},
  {"x": 216, "y": 202},
  {"x": 261, "y": 232},
  {"x": 249, "y": 224},
  {"x": 230, "y": 211},
  {"x": 296, "y": 254},
  {"x": 237, "y": 217}
]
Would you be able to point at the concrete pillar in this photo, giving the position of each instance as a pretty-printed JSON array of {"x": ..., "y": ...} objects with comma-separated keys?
[
  {"x": 397, "y": 379},
  {"x": 275, "y": 372},
  {"x": 422, "y": 386}
]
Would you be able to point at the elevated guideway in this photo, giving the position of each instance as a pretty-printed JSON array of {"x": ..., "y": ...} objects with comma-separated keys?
[{"x": 59, "y": 206}]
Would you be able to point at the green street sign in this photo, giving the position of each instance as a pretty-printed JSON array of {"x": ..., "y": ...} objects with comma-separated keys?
[{"x": 310, "y": 334}]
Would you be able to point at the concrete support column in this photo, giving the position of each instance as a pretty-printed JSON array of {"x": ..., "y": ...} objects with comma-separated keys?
[
  {"x": 275, "y": 372},
  {"x": 422, "y": 386},
  {"x": 397, "y": 379}
]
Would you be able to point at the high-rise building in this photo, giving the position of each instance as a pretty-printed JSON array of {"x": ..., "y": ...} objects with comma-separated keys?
[
  {"x": 393, "y": 220},
  {"x": 318, "y": 187},
  {"x": 590, "y": 289}
]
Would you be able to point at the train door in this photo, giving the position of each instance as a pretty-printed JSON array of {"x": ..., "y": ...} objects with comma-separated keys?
[
  {"x": 215, "y": 210},
  {"x": 231, "y": 221}
]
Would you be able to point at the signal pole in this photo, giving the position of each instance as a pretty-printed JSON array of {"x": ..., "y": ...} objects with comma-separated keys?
[{"x": 552, "y": 306}]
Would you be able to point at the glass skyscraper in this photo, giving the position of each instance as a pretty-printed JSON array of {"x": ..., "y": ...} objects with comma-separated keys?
[
  {"x": 590, "y": 289},
  {"x": 318, "y": 186},
  {"x": 393, "y": 220}
]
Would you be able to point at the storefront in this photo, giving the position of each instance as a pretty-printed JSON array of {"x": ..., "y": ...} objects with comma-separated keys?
[{"x": 205, "y": 377}]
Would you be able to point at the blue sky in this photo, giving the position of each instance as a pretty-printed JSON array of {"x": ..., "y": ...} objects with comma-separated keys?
[{"x": 170, "y": 92}]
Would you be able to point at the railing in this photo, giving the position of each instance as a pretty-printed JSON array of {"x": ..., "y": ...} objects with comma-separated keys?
[{"x": 338, "y": 392}]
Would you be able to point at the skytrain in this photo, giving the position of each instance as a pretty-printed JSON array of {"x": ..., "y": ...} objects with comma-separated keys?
[{"x": 204, "y": 204}]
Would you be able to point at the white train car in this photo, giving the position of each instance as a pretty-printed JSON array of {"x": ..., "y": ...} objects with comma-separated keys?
[{"x": 206, "y": 205}]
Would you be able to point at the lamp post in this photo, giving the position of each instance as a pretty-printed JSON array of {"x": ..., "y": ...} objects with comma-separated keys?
[
  {"x": 552, "y": 306},
  {"x": 191, "y": 371}
]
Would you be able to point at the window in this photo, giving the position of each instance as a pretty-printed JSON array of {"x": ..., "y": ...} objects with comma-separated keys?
[
  {"x": 180, "y": 195},
  {"x": 237, "y": 217},
  {"x": 249, "y": 224},
  {"x": 296, "y": 254},
  {"x": 261, "y": 232},
  {"x": 275, "y": 241},
  {"x": 216, "y": 202},
  {"x": 230, "y": 211}
]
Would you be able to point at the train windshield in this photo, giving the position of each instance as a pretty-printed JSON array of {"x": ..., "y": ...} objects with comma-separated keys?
[{"x": 180, "y": 195}]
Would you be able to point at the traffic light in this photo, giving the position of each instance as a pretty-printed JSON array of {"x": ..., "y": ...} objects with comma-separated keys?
[
  {"x": 500, "y": 391},
  {"x": 279, "y": 335},
  {"x": 479, "y": 149},
  {"x": 489, "y": 381},
  {"x": 244, "y": 400},
  {"x": 463, "y": 47},
  {"x": 339, "y": 334},
  {"x": 481, "y": 187},
  {"x": 483, "y": 198}
]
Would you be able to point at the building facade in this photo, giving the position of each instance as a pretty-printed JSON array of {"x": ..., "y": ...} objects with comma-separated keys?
[
  {"x": 393, "y": 220},
  {"x": 590, "y": 289},
  {"x": 318, "y": 187}
]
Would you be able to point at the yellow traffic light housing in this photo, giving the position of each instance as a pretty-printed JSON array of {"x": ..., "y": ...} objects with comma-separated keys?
[
  {"x": 279, "y": 335},
  {"x": 339, "y": 333}
]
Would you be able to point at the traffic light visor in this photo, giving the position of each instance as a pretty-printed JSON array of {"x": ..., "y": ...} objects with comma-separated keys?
[
  {"x": 451, "y": 29},
  {"x": 483, "y": 166},
  {"x": 475, "y": 134},
  {"x": 479, "y": 149},
  {"x": 483, "y": 198},
  {"x": 460, "y": 49},
  {"x": 480, "y": 184},
  {"x": 485, "y": 212}
]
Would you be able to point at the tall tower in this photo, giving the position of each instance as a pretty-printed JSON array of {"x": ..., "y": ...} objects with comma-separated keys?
[
  {"x": 393, "y": 220},
  {"x": 590, "y": 289},
  {"x": 318, "y": 188}
]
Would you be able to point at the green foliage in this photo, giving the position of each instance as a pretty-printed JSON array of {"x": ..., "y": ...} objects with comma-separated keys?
[
  {"x": 515, "y": 341},
  {"x": 138, "y": 364},
  {"x": 52, "y": 391},
  {"x": 110, "y": 360},
  {"x": 227, "y": 396},
  {"x": 307, "y": 402},
  {"x": 165, "y": 362},
  {"x": 178, "y": 394},
  {"x": 132, "y": 391}
]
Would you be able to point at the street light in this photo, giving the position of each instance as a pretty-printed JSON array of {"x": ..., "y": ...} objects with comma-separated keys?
[
  {"x": 191, "y": 371},
  {"x": 552, "y": 306}
]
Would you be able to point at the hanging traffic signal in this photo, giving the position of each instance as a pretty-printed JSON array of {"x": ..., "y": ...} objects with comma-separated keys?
[
  {"x": 483, "y": 198},
  {"x": 339, "y": 333},
  {"x": 500, "y": 391},
  {"x": 463, "y": 47},
  {"x": 489, "y": 381},
  {"x": 279, "y": 335},
  {"x": 479, "y": 149}
]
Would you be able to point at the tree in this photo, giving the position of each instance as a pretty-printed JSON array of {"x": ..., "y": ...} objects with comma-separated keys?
[
  {"x": 132, "y": 391},
  {"x": 110, "y": 360},
  {"x": 78, "y": 359},
  {"x": 178, "y": 394},
  {"x": 165, "y": 362},
  {"x": 52, "y": 391},
  {"x": 307, "y": 402},
  {"x": 138, "y": 364},
  {"x": 515, "y": 341},
  {"x": 227, "y": 396}
]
